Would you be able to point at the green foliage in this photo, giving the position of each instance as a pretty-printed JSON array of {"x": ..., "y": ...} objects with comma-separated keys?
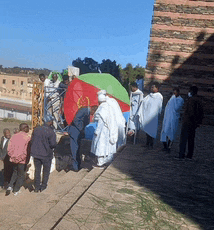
[
  {"x": 87, "y": 65},
  {"x": 130, "y": 73},
  {"x": 24, "y": 70},
  {"x": 16, "y": 121},
  {"x": 125, "y": 76}
]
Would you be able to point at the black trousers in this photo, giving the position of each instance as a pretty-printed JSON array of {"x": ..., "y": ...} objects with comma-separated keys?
[
  {"x": 187, "y": 135},
  {"x": 149, "y": 140},
  {"x": 38, "y": 163},
  {"x": 75, "y": 138},
  {"x": 18, "y": 176},
  {"x": 8, "y": 169}
]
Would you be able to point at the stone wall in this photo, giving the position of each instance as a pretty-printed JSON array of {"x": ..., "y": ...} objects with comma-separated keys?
[{"x": 181, "y": 49}]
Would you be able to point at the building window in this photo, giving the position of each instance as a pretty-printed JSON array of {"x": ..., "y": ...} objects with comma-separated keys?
[
  {"x": 22, "y": 83},
  {"x": 4, "y": 81},
  {"x": 13, "y": 82},
  {"x": 10, "y": 115}
]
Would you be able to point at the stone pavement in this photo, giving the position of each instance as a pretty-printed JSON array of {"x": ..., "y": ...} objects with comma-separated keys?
[{"x": 141, "y": 189}]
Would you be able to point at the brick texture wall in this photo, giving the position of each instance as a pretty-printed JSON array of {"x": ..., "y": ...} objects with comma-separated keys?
[{"x": 181, "y": 49}]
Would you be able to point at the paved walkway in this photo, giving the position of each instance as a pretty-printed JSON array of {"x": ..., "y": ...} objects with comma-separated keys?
[{"x": 141, "y": 189}]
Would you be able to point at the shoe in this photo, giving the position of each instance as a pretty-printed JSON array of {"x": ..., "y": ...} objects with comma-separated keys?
[
  {"x": 36, "y": 190},
  {"x": 98, "y": 167},
  {"x": 16, "y": 193},
  {"x": 8, "y": 191},
  {"x": 42, "y": 189}
]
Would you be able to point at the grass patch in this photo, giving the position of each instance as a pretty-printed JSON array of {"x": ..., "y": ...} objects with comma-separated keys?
[
  {"x": 139, "y": 211},
  {"x": 126, "y": 191},
  {"x": 15, "y": 121}
]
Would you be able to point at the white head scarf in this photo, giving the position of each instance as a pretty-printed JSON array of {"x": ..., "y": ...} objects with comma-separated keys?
[
  {"x": 101, "y": 98},
  {"x": 102, "y": 92}
]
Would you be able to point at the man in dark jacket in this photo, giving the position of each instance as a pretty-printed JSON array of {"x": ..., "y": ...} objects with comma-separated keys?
[
  {"x": 76, "y": 133},
  {"x": 43, "y": 143},
  {"x": 8, "y": 166},
  {"x": 192, "y": 118}
]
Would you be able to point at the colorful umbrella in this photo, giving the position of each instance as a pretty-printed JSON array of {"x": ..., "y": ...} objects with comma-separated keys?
[{"x": 83, "y": 92}]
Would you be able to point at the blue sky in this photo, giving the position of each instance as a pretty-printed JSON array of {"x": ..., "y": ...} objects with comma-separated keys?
[{"x": 51, "y": 34}]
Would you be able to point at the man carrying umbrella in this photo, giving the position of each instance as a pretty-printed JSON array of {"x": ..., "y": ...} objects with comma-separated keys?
[{"x": 76, "y": 133}]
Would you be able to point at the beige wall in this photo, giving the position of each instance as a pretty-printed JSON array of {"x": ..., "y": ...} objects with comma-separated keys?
[{"x": 15, "y": 87}]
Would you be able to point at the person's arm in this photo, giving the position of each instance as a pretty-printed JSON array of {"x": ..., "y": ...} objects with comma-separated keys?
[{"x": 52, "y": 140}]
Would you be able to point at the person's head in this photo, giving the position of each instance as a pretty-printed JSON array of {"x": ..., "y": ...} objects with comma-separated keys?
[
  {"x": 133, "y": 86},
  {"x": 73, "y": 77},
  {"x": 101, "y": 98},
  {"x": 6, "y": 133},
  {"x": 176, "y": 91},
  {"x": 42, "y": 77},
  {"x": 65, "y": 79},
  {"x": 193, "y": 90},
  {"x": 54, "y": 77},
  {"x": 103, "y": 91},
  {"x": 23, "y": 127},
  {"x": 155, "y": 87},
  {"x": 15, "y": 130},
  {"x": 48, "y": 120},
  {"x": 93, "y": 109}
]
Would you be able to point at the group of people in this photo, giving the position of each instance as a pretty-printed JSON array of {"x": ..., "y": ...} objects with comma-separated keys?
[
  {"x": 144, "y": 115},
  {"x": 110, "y": 133},
  {"x": 16, "y": 152},
  {"x": 54, "y": 93}
]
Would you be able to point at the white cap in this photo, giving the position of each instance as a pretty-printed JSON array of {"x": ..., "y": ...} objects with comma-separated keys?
[
  {"x": 102, "y": 92},
  {"x": 101, "y": 98}
]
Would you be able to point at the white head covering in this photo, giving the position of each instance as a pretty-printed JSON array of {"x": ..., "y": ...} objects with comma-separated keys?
[
  {"x": 102, "y": 92},
  {"x": 101, "y": 98}
]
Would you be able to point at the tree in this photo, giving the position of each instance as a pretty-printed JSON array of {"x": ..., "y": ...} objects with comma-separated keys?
[
  {"x": 87, "y": 65},
  {"x": 108, "y": 66},
  {"x": 130, "y": 73}
]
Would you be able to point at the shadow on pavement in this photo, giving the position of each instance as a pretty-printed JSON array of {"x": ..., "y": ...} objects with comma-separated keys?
[{"x": 186, "y": 185}]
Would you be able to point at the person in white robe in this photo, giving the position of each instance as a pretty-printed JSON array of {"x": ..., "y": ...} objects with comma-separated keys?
[
  {"x": 171, "y": 119},
  {"x": 106, "y": 134},
  {"x": 149, "y": 112},
  {"x": 120, "y": 120},
  {"x": 52, "y": 99},
  {"x": 136, "y": 99}
]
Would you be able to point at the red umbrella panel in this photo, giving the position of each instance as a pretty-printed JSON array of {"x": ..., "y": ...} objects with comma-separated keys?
[{"x": 81, "y": 94}]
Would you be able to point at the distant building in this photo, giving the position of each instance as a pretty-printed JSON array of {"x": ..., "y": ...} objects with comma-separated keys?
[
  {"x": 15, "y": 87},
  {"x": 15, "y": 97},
  {"x": 16, "y": 111}
]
